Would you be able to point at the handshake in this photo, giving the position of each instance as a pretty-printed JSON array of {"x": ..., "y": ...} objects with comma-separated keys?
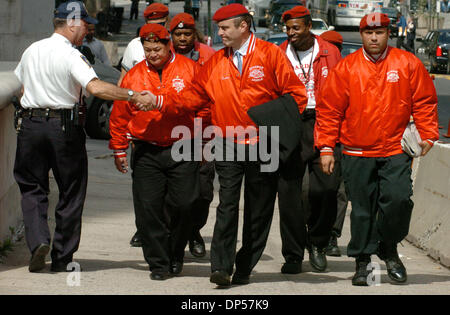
[{"x": 145, "y": 101}]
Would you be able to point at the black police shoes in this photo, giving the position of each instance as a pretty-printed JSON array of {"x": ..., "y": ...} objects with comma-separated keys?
[
  {"x": 136, "y": 240},
  {"x": 395, "y": 268},
  {"x": 239, "y": 279},
  {"x": 292, "y": 267},
  {"x": 361, "y": 274},
  {"x": 197, "y": 246},
  {"x": 37, "y": 261},
  {"x": 317, "y": 258},
  {"x": 332, "y": 248},
  {"x": 221, "y": 278}
]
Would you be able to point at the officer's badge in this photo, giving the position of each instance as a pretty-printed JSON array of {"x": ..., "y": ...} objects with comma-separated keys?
[
  {"x": 324, "y": 72},
  {"x": 180, "y": 25},
  {"x": 178, "y": 84},
  {"x": 85, "y": 60}
]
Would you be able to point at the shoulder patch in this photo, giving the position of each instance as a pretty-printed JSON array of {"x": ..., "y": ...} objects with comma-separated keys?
[{"x": 85, "y": 60}]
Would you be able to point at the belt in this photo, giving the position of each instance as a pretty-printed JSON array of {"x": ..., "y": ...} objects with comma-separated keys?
[{"x": 42, "y": 112}]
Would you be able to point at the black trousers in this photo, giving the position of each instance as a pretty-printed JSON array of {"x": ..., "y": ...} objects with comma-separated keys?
[
  {"x": 158, "y": 180},
  {"x": 320, "y": 208},
  {"x": 380, "y": 191},
  {"x": 200, "y": 210},
  {"x": 41, "y": 146},
  {"x": 259, "y": 201},
  {"x": 342, "y": 204}
]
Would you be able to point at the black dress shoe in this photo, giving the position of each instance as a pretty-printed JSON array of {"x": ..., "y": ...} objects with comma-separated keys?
[
  {"x": 361, "y": 274},
  {"x": 159, "y": 275},
  {"x": 240, "y": 279},
  {"x": 332, "y": 248},
  {"x": 37, "y": 261},
  {"x": 317, "y": 258},
  {"x": 176, "y": 267},
  {"x": 136, "y": 240},
  {"x": 221, "y": 278},
  {"x": 292, "y": 267},
  {"x": 197, "y": 246},
  {"x": 395, "y": 268}
]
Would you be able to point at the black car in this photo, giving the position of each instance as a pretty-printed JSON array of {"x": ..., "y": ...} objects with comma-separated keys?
[
  {"x": 99, "y": 110},
  {"x": 433, "y": 50}
]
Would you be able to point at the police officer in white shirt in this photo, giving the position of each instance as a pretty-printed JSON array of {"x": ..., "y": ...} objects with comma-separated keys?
[{"x": 53, "y": 75}]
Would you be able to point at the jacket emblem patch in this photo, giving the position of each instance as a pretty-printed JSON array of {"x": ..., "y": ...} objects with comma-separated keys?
[
  {"x": 256, "y": 73},
  {"x": 324, "y": 72},
  {"x": 178, "y": 84},
  {"x": 392, "y": 76}
]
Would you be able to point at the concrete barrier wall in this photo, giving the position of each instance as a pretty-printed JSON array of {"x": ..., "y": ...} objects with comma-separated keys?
[
  {"x": 10, "y": 210},
  {"x": 430, "y": 222}
]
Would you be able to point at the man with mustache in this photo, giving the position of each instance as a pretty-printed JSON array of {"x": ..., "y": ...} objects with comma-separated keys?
[
  {"x": 312, "y": 59},
  {"x": 366, "y": 105}
]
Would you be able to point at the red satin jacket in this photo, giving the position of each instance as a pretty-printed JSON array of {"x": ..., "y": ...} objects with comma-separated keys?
[{"x": 366, "y": 104}]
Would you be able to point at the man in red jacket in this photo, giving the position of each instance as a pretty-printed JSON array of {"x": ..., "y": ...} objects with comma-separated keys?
[
  {"x": 366, "y": 105},
  {"x": 312, "y": 59},
  {"x": 184, "y": 39},
  {"x": 158, "y": 178},
  {"x": 246, "y": 73}
]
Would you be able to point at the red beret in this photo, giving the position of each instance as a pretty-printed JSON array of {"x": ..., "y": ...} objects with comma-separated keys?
[
  {"x": 295, "y": 13},
  {"x": 156, "y": 11},
  {"x": 229, "y": 11},
  {"x": 332, "y": 37},
  {"x": 374, "y": 20},
  {"x": 153, "y": 31},
  {"x": 182, "y": 20}
]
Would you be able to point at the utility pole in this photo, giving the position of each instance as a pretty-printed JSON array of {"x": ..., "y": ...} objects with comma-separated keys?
[{"x": 209, "y": 20}]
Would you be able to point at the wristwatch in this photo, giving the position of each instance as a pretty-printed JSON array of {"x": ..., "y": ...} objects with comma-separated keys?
[{"x": 130, "y": 95}]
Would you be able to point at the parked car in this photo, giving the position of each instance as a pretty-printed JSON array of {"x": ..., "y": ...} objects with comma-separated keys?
[
  {"x": 99, "y": 110},
  {"x": 433, "y": 51},
  {"x": 319, "y": 26}
]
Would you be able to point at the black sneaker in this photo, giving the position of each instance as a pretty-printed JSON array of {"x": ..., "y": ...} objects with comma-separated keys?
[
  {"x": 361, "y": 275},
  {"x": 332, "y": 248}
]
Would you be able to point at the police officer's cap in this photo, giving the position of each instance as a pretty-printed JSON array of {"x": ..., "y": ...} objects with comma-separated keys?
[{"x": 74, "y": 10}]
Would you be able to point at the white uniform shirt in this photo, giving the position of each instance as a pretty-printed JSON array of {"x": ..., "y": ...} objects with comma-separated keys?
[
  {"x": 53, "y": 74},
  {"x": 307, "y": 62},
  {"x": 98, "y": 49},
  {"x": 134, "y": 53}
]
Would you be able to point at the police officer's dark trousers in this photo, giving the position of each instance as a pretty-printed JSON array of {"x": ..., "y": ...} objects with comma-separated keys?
[
  {"x": 259, "y": 201},
  {"x": 42, "y": 145},
  {"x": 158, "y": 180},
  {"x": 379, "y": 189}
]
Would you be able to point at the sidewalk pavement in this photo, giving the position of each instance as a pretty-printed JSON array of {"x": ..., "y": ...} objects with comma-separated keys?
[{"x": 110, "y": 266}]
